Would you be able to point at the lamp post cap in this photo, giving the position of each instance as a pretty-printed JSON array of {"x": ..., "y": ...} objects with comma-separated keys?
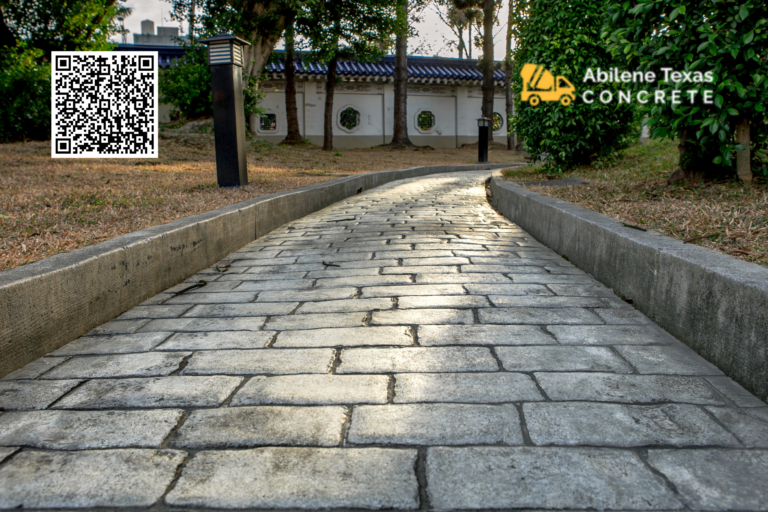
[{"x": 225, "y": 37}]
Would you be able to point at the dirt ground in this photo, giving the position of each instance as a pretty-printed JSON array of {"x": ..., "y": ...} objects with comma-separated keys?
[
  {"x": 49, "y": 206},
  {"x": 726, "y": 216}
]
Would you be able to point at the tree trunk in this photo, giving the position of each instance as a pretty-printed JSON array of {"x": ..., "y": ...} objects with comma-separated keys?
[
  {"x": 461, "y": 43},
  {"x": 330, "y": 86},
  {"x": 508, "y": 80},
  {"x": 400, "y": 137},
  {"x": 291, "y": 110},
  {"x": 471, "y": 43},
  {"x": 488, "y": 9},
  {"x": 743, "y": 158},
  {"x": 190, "y": 35}
]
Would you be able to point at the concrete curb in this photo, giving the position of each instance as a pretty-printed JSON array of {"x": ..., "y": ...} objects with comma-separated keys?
[
  {"x": 51, "y": 302},
  {"x": 716, "y": 304}
]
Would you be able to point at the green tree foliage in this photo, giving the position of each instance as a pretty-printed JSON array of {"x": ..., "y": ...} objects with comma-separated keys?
[
  {"x": 565, "y": 39},
  {"x": 25, "y": 85},
  {"x": 29, "y": 31},
  {"x": 728, "y": 38},
  {"x": 186, "y": 84}
]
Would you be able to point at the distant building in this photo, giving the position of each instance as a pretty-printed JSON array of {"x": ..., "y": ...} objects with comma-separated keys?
[
  {"x": 166, "y": 36},
  {"x": 444, "y": 100}
]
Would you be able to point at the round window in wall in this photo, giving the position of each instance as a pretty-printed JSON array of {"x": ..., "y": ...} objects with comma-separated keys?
[
  {"x": 498, "y": 121},
  {"x": 425, "y": 120},
  {"x": 268, "y": 122},
  {"x": 349, "y": 118}
]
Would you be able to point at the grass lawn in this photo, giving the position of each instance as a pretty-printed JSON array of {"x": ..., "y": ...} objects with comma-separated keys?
[
  {"x": 726, "y": 216},
  {"x": 48, "y": 206}
]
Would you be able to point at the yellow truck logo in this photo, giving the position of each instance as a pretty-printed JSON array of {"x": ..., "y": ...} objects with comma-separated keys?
[{"x": 540, "y": 85}]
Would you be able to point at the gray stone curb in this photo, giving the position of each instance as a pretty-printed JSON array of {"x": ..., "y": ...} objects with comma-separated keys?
[
  {"x": 714, "y": 303},
  {"x": 51, "y": 302}
]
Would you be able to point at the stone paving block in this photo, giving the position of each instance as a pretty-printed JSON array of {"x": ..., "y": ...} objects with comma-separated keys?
[
  {"x": 313, "y": 390},
  {"x": 507, "y": 289},
  {"x": 624, "y": 315},
  {"x": 308, "y": 295},
  {"x": 345, "y": 305},
  {"x": 483, "y": 335},
  {"x": 83, "y": 430},
  {"x": 316, "y": 321},
  {"x": 591, "y": 424},
  {"x": 582, "y": 290},
  {"x": 443, "y": 301},
  {"x": 716, "y": 479},
  {"x": 264, "y": 262},
  {"x": 414, "y": 289},
  {"x": 154, "y": 312},
  {"x": 274, "y": 269},
  {"x": 254, "y": 362},
  {"x": 740, "y": 396},
  {"x": 544, "y": 278},
  {"x": 608, "y": 335},
  {"x": 461, "y": 279},
  {"x": 217, "y": 340},
  {"x": 335, "y": 257},
  {"x": 345, "y": 336},
  {"x": 190, "y": 324},
  {"x": 335, "y": 282},
  {"x": 264, "y": 276},
  {"x": 417, "y": 359},
  {"x": 429, "y": 262},
  {"x": 150, "y": 364},
  {"x": 671, "y": 359},
  {"x": 97, "y": 478},
  {"x": 478, "y": 388},
  {"x": 504, "y": 269},
  {"x": 568, "y": 316},
  {"x": 279, "y": 284},
  {"x": 638, "y": 389},
  {"x": 347, "y": 272},
  {"x": 429, "y": 424},
  {"x": 366, "y": 264},
  {"x": 563, "y": 269},
  {"x": 212, "y": 298},
  {"x": 118, "y": 327},
  {"x": 255, "y": 310},
  {"x": 210, "y": 287},
  {"x": 305, "y": 478},
  {"x": 174, "y": 391},
  {"x": 35, "y": 368},
  {"x": 561, "y": 359},
  {"x": 257, "y": 426},
  {"x": 543, "y": 478},
  {"x": 751, "y": 431},
  {"x": 415, "y": 269},
  {"x": 113, "y": 344},
  {"x": 382, "y": 255},
  {"x": 422, "y": 316},
  {"x": 32, "y": 394},
  {"x": 536, "y": 301}
]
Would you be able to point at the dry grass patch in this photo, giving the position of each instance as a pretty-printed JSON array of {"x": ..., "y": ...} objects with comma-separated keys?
[
  {"x": 726, "y": 216},
  {"x": 48, "y": 206}
]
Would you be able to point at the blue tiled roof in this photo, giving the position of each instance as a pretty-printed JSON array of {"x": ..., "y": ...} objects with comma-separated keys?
[
  {"x": 418, "y": 67},
  {"x": 424, "y": 68}
]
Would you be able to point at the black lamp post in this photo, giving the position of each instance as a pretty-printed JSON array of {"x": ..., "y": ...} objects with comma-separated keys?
[
  {"x": 225, "y": 57},
  {"x": 483, "y": 123}
]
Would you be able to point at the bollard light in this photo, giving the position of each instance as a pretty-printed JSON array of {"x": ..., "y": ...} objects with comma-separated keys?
[
  {"x": 483, "y": 125},
  {"x": 225, "y": 57}
]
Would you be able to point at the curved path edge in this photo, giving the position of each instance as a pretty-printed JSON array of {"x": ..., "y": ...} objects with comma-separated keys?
[
  {"x": 714, "y": 303},
  {"x": 47, "y": 304}
]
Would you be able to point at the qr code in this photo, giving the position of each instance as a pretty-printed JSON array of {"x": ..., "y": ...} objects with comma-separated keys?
[{"x": 104, "y": 105}]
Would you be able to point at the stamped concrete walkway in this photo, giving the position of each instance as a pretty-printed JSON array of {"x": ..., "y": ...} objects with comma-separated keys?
[{"x": 405, "y": 349}]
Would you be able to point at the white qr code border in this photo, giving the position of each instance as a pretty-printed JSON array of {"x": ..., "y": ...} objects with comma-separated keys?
[{"x": 114, "y": 55}]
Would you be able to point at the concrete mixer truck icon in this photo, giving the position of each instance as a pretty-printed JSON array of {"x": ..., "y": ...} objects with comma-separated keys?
[{"x": 539, "y": 85}]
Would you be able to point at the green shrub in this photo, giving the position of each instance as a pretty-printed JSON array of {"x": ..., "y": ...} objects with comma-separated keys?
[
  {"x": 186, "y": 84},
  {"x": 25, "y": 89},
  {"x": 564, "y": 37}
]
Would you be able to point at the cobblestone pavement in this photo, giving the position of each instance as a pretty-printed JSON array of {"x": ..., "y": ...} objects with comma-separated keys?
[{"x": 407, "y": 349}]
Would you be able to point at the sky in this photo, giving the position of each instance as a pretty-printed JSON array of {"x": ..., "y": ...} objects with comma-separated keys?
[{"x": 431, "y": 40}]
